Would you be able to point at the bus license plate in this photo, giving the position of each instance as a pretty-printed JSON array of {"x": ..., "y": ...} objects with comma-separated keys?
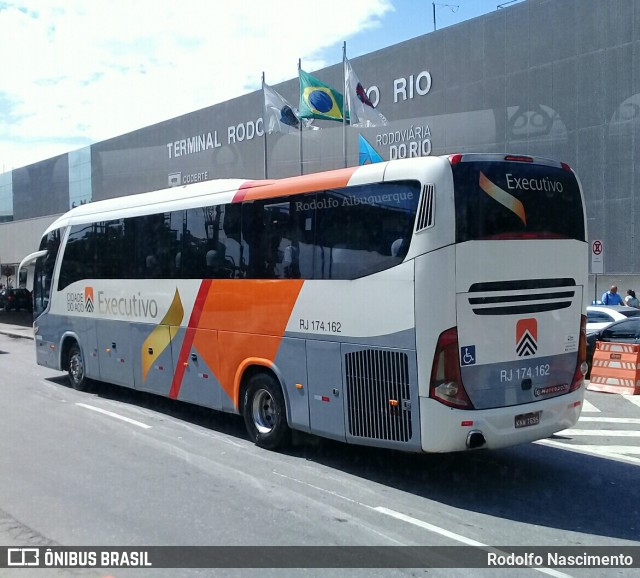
[{"x": 527, "y": 419}]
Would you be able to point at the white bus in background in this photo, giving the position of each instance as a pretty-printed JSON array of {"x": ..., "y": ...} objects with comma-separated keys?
[{"x": 427, "y": 305}]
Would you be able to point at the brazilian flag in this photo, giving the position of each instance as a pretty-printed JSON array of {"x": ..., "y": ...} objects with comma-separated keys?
[{"x": 319, "y": 100}]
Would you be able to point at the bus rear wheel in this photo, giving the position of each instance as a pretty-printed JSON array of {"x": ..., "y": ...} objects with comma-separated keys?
[
  {"x": 265, "y": 413},
  {"x": 77, "y": 376}
]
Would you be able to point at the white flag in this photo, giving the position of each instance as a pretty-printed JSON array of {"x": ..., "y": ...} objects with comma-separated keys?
[
  {"x": 280, "y": 115},
  {"x": 362, "y": 112}
]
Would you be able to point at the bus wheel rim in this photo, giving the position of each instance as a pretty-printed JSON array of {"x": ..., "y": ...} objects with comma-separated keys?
[{"x": 263, "y": 411}]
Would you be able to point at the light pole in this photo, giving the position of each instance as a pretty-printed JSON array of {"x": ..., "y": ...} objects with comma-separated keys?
[{"x": 454, "y": 8}]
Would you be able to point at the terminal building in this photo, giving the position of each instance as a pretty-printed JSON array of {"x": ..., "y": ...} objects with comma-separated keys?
[{"x": 551, "y": 78}]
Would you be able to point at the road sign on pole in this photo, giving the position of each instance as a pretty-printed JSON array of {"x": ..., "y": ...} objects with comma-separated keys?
[{"x": 597, "y": 257}]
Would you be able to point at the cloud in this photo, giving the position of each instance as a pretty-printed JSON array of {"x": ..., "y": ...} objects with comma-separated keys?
[{"x": 87, "y": 71}]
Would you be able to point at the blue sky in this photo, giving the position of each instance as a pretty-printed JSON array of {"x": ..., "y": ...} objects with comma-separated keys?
[
  {"x": 83, "y": 71},
  {"x": 411, "y": 18}
]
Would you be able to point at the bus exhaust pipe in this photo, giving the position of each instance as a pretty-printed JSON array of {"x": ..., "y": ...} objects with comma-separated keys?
[{"x": 475, "y": 439}]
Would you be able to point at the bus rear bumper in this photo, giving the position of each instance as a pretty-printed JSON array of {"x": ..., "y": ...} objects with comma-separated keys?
[{"x": 446, "y": 429}]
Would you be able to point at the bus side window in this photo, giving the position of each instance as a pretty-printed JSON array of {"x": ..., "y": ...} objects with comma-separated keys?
[
  {"x": 113, "y": 257},
  {"x": 194, "y": 244},
  {"x": 154, "y": 239},
  {"x": 230, "y": 238},
  {"x": 364, "y": 229},
  {"x": 254, "y": 254},
  {"x": 275, "y": 233}
]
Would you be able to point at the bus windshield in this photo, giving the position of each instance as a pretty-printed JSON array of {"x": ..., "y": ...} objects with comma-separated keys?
[
  {"x": 44, "y": 271},
  {"x": 516, "y": 200}
]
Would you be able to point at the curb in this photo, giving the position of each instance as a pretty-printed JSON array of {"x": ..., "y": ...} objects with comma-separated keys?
[{"x": 16, "y": 334}]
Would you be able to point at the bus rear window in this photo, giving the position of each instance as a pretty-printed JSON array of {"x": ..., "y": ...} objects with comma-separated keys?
[{"x": 512, "y": 200}]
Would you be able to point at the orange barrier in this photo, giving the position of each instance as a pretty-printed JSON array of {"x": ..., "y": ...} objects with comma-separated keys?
[{"x": 616, "y": 368}]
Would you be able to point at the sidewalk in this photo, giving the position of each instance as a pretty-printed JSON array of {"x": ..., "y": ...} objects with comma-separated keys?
[
  {"x": 16, "y": 324},
  {"x": 16, "y": 331}
]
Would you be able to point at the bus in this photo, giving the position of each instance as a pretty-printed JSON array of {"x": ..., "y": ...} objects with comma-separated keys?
[{"x": 431, "y": 304}]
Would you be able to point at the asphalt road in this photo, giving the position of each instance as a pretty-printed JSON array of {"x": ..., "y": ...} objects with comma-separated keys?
[{"x": 119, "y": 467}]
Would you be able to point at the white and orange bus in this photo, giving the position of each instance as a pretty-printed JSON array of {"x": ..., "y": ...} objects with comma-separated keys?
[{"x": 431, "y": 304}]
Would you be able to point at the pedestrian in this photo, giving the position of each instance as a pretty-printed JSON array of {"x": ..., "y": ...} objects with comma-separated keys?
[
  {"x": 631, "y": 300},
  {"x": 291, "y": 260},
  {"x": 612, "y": 297}
]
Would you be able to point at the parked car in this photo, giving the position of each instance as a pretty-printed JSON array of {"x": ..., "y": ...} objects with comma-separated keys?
[
  {"x": 600, "y": 316},
  {"x": 625, "y": 331},
  {"x": 16, "y": 299}
]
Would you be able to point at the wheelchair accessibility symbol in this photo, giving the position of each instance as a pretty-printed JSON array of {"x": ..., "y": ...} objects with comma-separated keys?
[{"x": 468, "y": 355}]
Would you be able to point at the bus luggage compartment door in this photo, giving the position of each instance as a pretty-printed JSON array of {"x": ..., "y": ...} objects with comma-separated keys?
[
  {"x": 326, "y": 405},
  {"x": 153, "y": 365},
  {"x": 114, "y": 352},
  {"x": 198, "y": 383}
]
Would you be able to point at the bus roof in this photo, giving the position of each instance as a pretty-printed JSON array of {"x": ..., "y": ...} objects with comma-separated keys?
[
  {"x": 217, "y": 191},
  {"x": 221, "y": 191},
  {"x": 144, "y": 203}
]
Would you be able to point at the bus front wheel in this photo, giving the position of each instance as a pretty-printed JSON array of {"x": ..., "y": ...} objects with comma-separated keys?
[
  {"x": 77, "y": 376},
  {"x": 265, "y": 413}
]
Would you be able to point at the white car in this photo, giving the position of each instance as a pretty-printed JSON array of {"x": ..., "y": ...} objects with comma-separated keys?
[{"x": 600, "y": 316}]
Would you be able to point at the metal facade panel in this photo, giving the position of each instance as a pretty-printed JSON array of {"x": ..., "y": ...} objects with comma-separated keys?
[{"x": 574, "y": 61}]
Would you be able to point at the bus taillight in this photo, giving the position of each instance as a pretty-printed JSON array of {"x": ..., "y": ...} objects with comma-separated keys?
[
  {"x": 446, "y": 381},
  {"x": 581, "y": 363},
  {"x": 518, "y": 159}
]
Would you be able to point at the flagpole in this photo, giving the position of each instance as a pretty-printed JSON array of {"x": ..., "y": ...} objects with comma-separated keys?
[
  {"x": 300, "y": 146},
  {"x": 264, "y": 126},
  {"x": 344, "y": 102}
]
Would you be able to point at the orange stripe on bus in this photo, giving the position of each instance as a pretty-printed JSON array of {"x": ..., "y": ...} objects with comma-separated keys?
[
  {"x": 292, "y": 185},
  {"x": 245, "y": 187},
  {"x": 188, "y": 339},
  {"x": 251, "y": 317}
]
